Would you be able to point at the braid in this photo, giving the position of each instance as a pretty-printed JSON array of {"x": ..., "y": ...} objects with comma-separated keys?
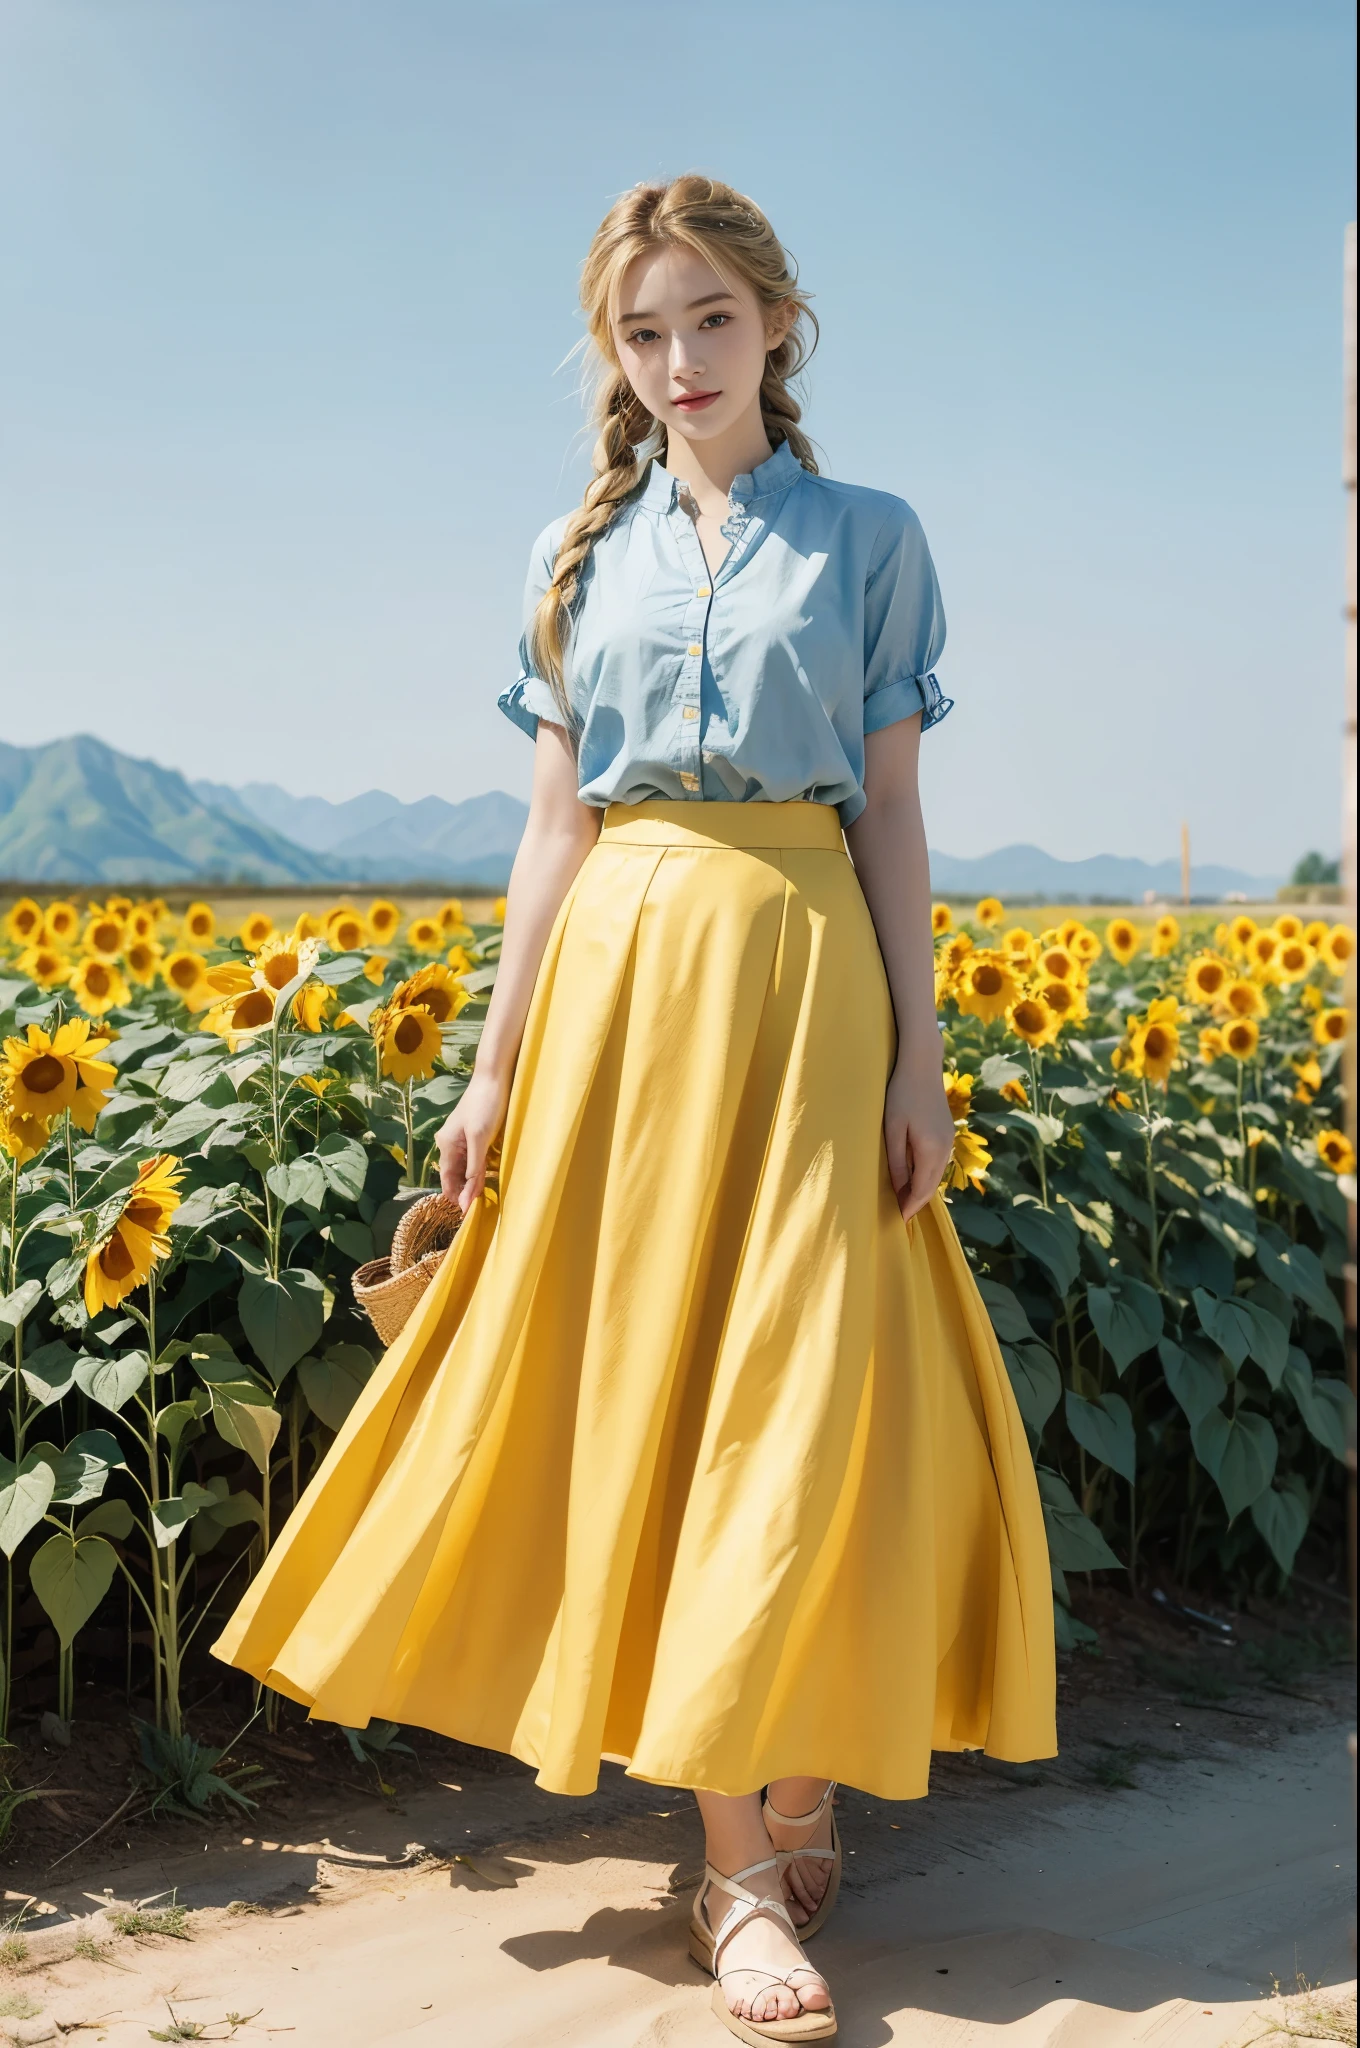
[
  {"x": 732, "y": 233},
  {"x": 624, "y": 424}
]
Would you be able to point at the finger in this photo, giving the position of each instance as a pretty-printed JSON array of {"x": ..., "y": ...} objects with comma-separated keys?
[
  {"x": 899, "y": 1154},
  {"x": 927, "y": 1173},
  {"x": 452, "y": 1154},
  {"x": 474, "y": 1178}
]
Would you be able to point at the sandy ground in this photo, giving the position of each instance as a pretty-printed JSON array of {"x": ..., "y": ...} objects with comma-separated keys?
[{"x": 1031, "y": 1910}]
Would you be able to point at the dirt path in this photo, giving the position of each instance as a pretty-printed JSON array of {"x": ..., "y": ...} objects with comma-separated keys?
[{"x": 1070, "y": 1910}]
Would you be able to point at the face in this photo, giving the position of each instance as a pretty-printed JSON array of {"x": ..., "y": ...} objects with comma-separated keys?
[{"x": 692, "y": 347}]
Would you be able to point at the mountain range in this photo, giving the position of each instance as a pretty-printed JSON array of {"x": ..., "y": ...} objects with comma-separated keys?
[{"x": 77, "y": 810}]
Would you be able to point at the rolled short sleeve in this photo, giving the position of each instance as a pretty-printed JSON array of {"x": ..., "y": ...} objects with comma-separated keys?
[
  {"x": 530, "y": 697},
  {"x": 903, "y": 628}
]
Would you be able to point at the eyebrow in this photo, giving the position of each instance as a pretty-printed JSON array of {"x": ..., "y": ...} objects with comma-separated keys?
[{"x": 692, "y": 307}]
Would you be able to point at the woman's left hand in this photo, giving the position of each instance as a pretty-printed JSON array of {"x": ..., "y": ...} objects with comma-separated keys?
[{"x": 919, "y": 1132}]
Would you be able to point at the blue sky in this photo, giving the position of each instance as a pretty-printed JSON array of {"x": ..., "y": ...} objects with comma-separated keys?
[{"x": 290, "y": 282}]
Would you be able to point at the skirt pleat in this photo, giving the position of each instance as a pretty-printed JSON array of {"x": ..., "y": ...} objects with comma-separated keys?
[{"x": 692, "y": 1455}]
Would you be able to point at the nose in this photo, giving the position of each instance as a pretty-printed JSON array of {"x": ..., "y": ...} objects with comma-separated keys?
[{"x": 684, "y": 360}]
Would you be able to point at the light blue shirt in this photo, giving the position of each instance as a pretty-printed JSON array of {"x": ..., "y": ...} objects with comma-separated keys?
[{"x": 757, "y": 683}]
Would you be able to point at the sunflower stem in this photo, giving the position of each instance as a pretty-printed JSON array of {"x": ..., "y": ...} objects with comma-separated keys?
[
  {"x": 70, "y": 1161},
  {"x": 1241, "y": 1119},
  {"x": 1155, "y": 1245},
  {"x": 409, "y": 1118}
]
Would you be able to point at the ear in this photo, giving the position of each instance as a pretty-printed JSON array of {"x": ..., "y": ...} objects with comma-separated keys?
[{"x": 778, "y": 321}]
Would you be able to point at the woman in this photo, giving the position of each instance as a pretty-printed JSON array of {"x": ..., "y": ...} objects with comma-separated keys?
[{"x": 699, "y": 1453}]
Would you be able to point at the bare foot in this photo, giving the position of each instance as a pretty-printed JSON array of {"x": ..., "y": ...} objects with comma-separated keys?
[
  {"x": 762, "y": 1950},
  {"x": 805, "y": 1878}
]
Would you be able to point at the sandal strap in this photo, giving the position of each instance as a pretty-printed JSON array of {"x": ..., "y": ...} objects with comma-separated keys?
[
  {"x": 801, "y": 1820},
  {"x": 745, "y": 1904}
]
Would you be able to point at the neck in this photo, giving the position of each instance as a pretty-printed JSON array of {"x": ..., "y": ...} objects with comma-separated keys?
[{"x": 709, "y": 466}]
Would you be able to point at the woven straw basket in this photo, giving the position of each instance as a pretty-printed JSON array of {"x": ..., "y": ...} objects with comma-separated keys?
[{"x": 388, "y": 1289}]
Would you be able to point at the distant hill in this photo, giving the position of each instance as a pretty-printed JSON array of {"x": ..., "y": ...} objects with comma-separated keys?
[
  {"x": 377, "y": 838},
  {"x": 77, "y": 810},
  {"x": 1107, "y": 877}
]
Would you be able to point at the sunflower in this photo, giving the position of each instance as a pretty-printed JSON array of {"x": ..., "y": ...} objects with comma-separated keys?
[
  {"x": 1206, "y": 978},
  {"x": 1338, "y": 948},
  {"x": 435, "y": 988},
  {"x": 375, "y": 969},
  {"x": 22, "y": 1137},
  {"x": 1310, "y": 1078},
  {"x": 104, "y": 936},
  {"x": 44, "y": 964},
  {"x": 958, "y": 1093},
  {"x": 39, "y": 1080},
  {"x": 1287, "y": 926},
  {"x": 1065, "y": 1000},
  {"x": 498, "y": 910},
  {"x": 1020, "y": 945},
  {"x": 118, "y": 906},
  {"x": 1222, "y": 937},
  {"x": 84, "y": 1044},
  {"x": 1332, "y": 1027},
  {"x": 123, "y": 1260},
  {"x": 99, "y": 985},
  {"x": 282, "y": 957},
  {"x": 1241, "y": 1038},
  {"x": 1211, "y": 1045},
  {"x": 1068, "y": 929},
  {"x": 1316, "y": 932},
  {"x": 318, "y": 1084},
  {"x": 255, "y": 929},
  {"x": 1016, "y": 1092},
  {"x": 425, "y": 935},
  {"x": 986, "y": 986},
  {"x": 1056, "y": 963},
  {"x": 309, "y": 927},
  {"x": 185, "y": 972},
  {"x": 383, "y": 919},
  {"x": 451, "y": 914},
  {"x": 310, "y": 1005},
  {"x": 1085, "y": 946},
  {"x": 236, "y": 1016},
  {"x": 142, "y": 921},
  {"x": 1262, "y": 948},
  {"x": 141, "y": 959},
  {"x": 1335, "y": 1150},
  {"x": 1154, "y": 1041},
  {"x": 1312, "y": 998},
  {"x": 24, "y": 923},
  {"x": 941, "y": 919},
  {"x": 990, "y": 912},
  {"x": 970, "y": 1160},
  {"x": 1032, "y": 1020},
  {"x": 1242, "y": 999},
  {"x": 410, "y": 1043},
  {"x": 1242, "y": 931},
  {"x": 61, "y": 921},
  {"x": 459, "y": 960},
  {"x": 1294, "y": 960},
  {"x": 1166, "y": 936},
  {"x": 198, "y": 926},
  {"x": 346, "y": 931}
]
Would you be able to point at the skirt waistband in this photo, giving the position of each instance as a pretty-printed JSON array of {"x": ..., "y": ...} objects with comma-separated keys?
[{"x": 748, "y": 826}]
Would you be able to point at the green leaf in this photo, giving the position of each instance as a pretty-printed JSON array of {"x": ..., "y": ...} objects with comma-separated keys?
[
  {"x": 1127, "y": 1317},
  {"x": 1009, "y": 1320},
  {"x": 79, "y": 1472},
  {"x": 972, "y": 1219},
  {"x": 998, "y": 1068},
  {"x": 26, "y": 1493},
  {"x": 333, "y": 1384},
  {"x": 205, "y": 1205},
  {"x": 344, "y": 1163},
  {"x": 111, "y": 1518},
  {"x": 50, "y": 1372},
  {"x": 178, "y": 1416},
  {"x": 14, "y": 1307},
  {"x": 1047, "y": 1129},
  {"x": 1049, "y": 1238},
  {"x": 301, "y": 1180},
  {"x": 111, "y": 1381},
  {"x": 1299, "y": 1272},
  {"x": 1196, "y": 1382},
  {"x": 1104, "y": 1427},
  {"x": 345, "y": 967},
  {"x": 1035, "y": 1380},
  {"x": 282, "y": 1318},
  {"x": 1068, "y": 1632},
  {"x": 1239, "y": 1453},
  {"x": 1327, "y": 1406},
  {"x": 1242, "y": 1329},
  {"x": 246, "y": 1417},
  {"x": 1074, "y": 1543},
  {"x": 1281, "y": 1517},
  {"x": 354, "y": 1239},
  {"x": 70, "y": 1579},
  {"x": 172, "y": 1514},
  {"x": 229, "y": 1511},
  {"x": 1226, "y": 1231}
]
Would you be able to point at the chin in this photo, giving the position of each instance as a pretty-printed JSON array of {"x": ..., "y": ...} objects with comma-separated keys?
[{"x": 702, "y": 426}]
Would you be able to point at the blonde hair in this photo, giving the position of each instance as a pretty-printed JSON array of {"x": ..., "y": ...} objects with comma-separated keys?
[{"x": 730, "y": 232}]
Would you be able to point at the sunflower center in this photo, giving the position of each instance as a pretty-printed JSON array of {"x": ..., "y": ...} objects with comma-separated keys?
[
  {"x": 437, "y": 1001},
  {"x": 988, "y": 980},
  {"x": 255, "y": 1008},
  {"x": 1155, "y": 1045},
  {"x": 409, "y": 1035},
  {"x": 279, "y": 971},
  {"x": 97, "y": 979},
  {"x": 184, "y": 973},
  {"x": 44, "y": 1074},
  {"x": 116, "y": 1260}
]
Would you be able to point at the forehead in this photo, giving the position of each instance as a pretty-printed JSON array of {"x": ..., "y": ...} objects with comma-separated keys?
[{"x": 669, "y": 279}]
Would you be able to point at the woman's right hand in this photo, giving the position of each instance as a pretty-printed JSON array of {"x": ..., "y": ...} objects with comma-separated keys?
[{"x": 466, "y": 1137}]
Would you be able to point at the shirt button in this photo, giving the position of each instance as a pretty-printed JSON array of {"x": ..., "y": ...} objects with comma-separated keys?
[
  {"x": 690, "y": 711},
  {"x": 703, "y": 591},
  {"x": 694, "y": 648}
]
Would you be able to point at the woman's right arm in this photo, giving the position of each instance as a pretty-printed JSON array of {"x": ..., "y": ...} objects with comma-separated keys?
[{"x": 559, "y": 834}]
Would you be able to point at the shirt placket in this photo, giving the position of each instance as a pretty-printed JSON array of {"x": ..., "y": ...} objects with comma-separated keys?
[{"x": 694, "y": 626}]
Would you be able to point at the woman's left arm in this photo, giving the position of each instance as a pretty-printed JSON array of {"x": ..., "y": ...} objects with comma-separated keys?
[{"x": 888, "y": 846}]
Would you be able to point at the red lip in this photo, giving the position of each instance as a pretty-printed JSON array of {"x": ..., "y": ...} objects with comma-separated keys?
[{"x": 695, "y": 401}]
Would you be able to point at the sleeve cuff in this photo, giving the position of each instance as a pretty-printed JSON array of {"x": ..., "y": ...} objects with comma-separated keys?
[
  {"x": 526, "y": 701},
  {"x": 903, "y": 699}
]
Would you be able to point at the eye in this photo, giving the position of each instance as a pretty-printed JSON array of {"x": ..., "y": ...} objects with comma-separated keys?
[
  {"x": 721, "y": 319},
  {"x": 641, "y": 335}
]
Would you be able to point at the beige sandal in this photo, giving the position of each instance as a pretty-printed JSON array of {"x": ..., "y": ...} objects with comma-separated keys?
[
  {"x": 706, "y": 1947},
  {"x": 832, "y": 1855}
]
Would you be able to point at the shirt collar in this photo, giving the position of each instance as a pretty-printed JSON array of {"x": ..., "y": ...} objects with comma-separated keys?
[{"x": 770, "y": 477}]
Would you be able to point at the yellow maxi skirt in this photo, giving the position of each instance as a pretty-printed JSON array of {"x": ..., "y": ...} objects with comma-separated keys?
[{"x": 693, "y": 1455}]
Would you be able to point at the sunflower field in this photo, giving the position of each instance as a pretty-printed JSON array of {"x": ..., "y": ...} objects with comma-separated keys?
[
  {"x": 202, "y": 1135},
  {"x": 204, "y": 1132}
]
